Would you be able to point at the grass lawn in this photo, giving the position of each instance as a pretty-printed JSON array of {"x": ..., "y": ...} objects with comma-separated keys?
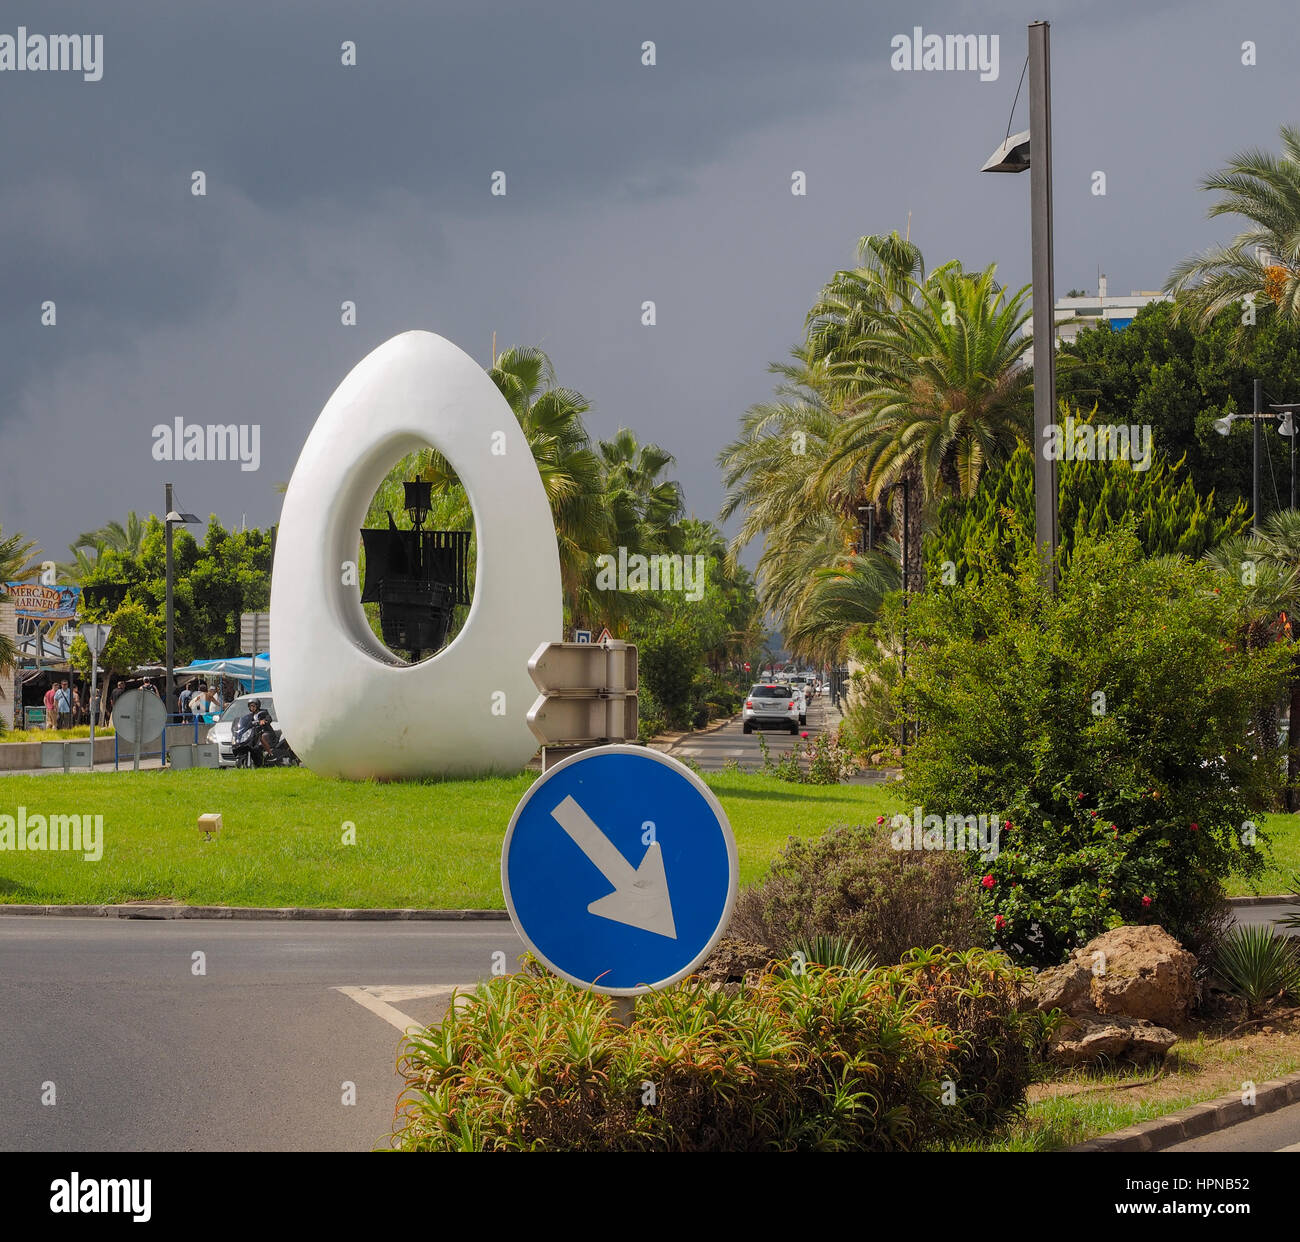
[
  {"x": 430, "y": 844},
  {"x": 1081, "y": 1105},
  {"x": 1284, "y": 861}
]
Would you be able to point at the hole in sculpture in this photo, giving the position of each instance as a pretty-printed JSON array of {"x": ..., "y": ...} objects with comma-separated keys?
[{"x": 417, "y": 556}]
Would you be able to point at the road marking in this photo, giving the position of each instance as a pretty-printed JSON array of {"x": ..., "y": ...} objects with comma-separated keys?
[{"x": 376, "y": 999}]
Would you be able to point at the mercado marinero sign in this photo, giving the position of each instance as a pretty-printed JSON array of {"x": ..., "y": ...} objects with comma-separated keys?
[{"x": 45, "y": 603}]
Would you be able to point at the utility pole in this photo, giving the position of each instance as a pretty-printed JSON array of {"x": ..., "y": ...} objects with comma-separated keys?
[
  {"x": 167, "y": 512},
  {"x": 1044, "y": 294}
]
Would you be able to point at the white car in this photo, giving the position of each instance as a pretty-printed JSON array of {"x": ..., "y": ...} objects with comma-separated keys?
[
  {"x": 221, "y": 731},
  {"x": 771, "y": 705}
]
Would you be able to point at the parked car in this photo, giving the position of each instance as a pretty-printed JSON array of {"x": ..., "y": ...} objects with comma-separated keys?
[
  {"x": 221, "y": 731},
  {"x": 771, "y": 706}
]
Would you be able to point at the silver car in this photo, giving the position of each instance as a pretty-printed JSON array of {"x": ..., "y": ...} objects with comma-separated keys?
[{"x": 220, "y": 733}]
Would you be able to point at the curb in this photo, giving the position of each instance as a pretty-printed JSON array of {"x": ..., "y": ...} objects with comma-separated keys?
[
  {"x": 1199, "y": 1119},
  {"x": 1260, "y": 901},
  {"x": 304, "y": 914}
]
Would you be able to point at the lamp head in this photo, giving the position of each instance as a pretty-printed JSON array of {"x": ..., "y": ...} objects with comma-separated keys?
[{"x": 1011, "y": 156}]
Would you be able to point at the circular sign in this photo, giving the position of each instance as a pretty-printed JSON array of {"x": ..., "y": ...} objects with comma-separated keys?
[
  {"x": 619, "y": 870},
  {"x": 139, "y": 716}
]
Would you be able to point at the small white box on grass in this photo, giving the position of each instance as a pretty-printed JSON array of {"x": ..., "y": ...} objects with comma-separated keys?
[{"x": 208, "y": 824}]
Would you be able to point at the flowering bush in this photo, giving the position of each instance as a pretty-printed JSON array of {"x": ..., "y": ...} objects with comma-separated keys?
[{"x": 1110, "y": 723}]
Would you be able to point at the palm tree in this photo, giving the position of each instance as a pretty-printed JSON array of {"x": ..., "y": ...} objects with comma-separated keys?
[
  {"x": 935, "y": 394},
  {"x": 1261, "y": 265},
  {"x": 647, "y": 510},
  {"x": 15, "y": 565},
  {"x": 843, "y": 598},
  {"x": 850, "y": 305},
  {"x": 551, "y": 419},
  {"x": 113, "y": 536}
]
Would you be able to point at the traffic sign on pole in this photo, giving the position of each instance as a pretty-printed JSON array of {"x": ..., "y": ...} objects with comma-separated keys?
[
  {"x": 619, "y": 870},
  {"x": 589, "y": 693},
  {"x": 96, "y": 637}
]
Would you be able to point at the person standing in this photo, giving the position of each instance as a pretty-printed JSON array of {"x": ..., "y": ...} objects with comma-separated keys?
[
  {"x": 51, "y": 718},
  {"x": 63, "y": 704}
]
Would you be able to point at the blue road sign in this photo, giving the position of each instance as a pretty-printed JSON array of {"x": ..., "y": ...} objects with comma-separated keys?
[
  {"x": 582, "y": 636},
  {"x": 619, "y": 869}
]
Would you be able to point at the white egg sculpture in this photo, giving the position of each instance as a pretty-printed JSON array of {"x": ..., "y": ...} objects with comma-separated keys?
[{"x": 348, "y": 706}]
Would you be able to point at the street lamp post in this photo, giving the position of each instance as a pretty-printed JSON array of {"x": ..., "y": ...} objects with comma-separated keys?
[
  {"x": 1013, "y": 156},
  {"x": 172, "y": 519},
  {"x": 1287, "y": 428},
  {"x": 1286, "y": 412}
]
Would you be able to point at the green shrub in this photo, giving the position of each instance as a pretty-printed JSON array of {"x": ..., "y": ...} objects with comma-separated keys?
[
  {"x": 839, "y": 951},
  {"x": 1259, "y": 965},
  {"x": 1109, "y": 723},
  {"x": 850, "y": 881},
  {"x": 825, "y": 1060}
]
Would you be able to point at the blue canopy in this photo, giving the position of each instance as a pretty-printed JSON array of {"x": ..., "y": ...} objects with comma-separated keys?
[{"x": 254, "y": 672}]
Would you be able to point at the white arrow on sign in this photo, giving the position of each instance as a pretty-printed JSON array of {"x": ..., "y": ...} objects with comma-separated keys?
[{"x": 640, "y": 897}]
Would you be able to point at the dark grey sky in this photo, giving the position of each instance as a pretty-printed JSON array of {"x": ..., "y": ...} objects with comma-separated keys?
[{"x": 625, "y": 183}]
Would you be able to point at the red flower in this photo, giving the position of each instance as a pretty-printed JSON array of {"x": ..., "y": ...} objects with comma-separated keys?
[
  {"x": 880, "y": 819},
  {"x": 1080, "y": 798},
  {"x": 987, "y": 881},
  {"x": 1196, "y": 828},
  {"x": 1007, "y": 825},
  {"x": 803, "y": 735},
  {"x": 999, "y": 922},
  {"x": 1146, "y": 901},
  {"x": 1093, "y": 814}
]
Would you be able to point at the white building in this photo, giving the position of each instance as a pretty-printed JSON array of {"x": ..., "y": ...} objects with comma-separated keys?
[{"x": 1073, "y": 315}]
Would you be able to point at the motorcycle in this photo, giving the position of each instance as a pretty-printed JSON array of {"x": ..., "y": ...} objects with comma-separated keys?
[{"x": 251, "y": 751}]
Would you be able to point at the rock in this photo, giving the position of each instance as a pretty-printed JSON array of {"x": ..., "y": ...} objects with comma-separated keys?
[
  {"x": 1081, "y": 1041},
  {"x": 736, "y": 961},
  {"x": 1067, "y": 988},
  {"x": 1131, "y": 972}
]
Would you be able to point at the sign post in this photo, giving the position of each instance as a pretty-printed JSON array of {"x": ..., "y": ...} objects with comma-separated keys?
[
  {"x": 589, "y": 695},
  {"x": 619, "y": 870},
  {"x": 254, "y": 636},
  {"x": 139, "y": 717},
  {"x": 96, "y": 636}
]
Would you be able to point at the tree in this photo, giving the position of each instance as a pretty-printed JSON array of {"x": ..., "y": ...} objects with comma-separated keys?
[
  {"x": 1177, "y": 377},
  {"x": 1108, "y": 724},
  {"x": 1266, "y": 569},
  {"x": 213, "y": 582},
  {"x": 1168, "y": 513},
  {"x": 1261, "y": 265},
  {"x": 15, "y": 565},
  {"x": 936, "y": 396},
  {"x": 136, "y": 639}
]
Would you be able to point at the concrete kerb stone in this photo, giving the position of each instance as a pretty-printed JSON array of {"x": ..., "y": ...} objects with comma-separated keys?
[
  {"x": 1199, "y": 1119},
  {"x": 271, "y": 913}
]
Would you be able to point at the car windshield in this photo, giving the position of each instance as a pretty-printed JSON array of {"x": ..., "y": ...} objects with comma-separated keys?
[
  {"x": 770, "y": 692},
  {"x": 240, "y": 708}
]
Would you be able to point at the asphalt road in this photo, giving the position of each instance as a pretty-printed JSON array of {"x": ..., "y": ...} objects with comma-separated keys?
[
  {"x": 1279, "y": 1131},
  {"x": 146, "y": 1055},
  {"x": 713, "y": 751}
]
